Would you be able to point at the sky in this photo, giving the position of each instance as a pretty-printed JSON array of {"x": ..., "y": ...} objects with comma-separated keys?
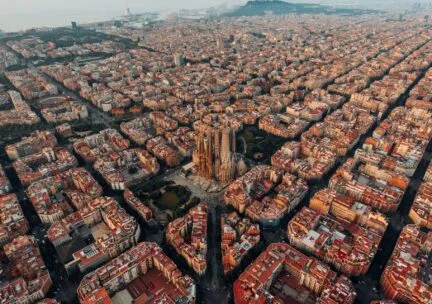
[{"x": 24, "y": 14}]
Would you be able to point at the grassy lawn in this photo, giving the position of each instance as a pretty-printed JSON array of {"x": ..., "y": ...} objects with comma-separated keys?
[{"x": 169, "y": 200}]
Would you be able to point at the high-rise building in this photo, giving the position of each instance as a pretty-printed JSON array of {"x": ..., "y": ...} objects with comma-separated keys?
[
  {"x": 179, "y": 60},
  {"x": 215, "y": 154}
]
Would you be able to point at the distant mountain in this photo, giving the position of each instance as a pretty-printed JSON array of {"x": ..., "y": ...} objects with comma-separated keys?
[{"x": 277, "y": 7}]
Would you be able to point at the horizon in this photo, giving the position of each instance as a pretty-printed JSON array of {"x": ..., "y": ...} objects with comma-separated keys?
[{"x": 21, "y": 15}]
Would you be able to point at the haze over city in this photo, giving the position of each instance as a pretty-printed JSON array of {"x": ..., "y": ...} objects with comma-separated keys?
[{"x": 24, "y": 14}]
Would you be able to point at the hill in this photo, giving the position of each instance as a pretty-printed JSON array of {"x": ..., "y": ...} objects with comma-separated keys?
[{"x": 277, "y": 7}]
